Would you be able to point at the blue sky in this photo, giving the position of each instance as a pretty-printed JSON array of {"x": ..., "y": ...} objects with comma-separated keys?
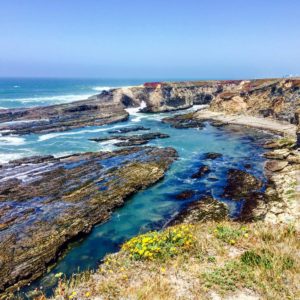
[{"x": 149, "y": 39}]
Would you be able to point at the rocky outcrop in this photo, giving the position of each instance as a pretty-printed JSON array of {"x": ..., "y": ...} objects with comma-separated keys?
[
  {"x": 128, "y": 129},
  {"x": 202, "y": 171},
  {"x": 276, "y": 98},
  {"x": 205, "y": 209},
  {"x": 212, "y": 155},
  {"x": 60, "y": 117},
  {"x": 240, "y": 184},
  {"x": 132, "y": 140},
  {"x": 183, "y": 121},
  {"x": 45, "y": 202}
]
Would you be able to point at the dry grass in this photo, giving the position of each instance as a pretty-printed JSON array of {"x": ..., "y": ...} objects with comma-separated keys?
[{"x": 226, "y": 259}]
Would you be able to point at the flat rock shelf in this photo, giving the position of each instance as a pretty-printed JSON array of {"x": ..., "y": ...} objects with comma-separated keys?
[{"x": 47, "y": 201}]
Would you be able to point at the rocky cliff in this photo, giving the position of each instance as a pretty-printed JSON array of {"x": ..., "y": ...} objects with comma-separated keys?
[{"x": 276, "y": 98}]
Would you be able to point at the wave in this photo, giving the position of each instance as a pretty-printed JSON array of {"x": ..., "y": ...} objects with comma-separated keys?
[
  {"x": 107, "y": 88},
  {"x": 48, "y": 99},
  {"x": 48, "y": 136},
  {"x": 6, "y": 157},
  {"x": 11, "y": 140}
]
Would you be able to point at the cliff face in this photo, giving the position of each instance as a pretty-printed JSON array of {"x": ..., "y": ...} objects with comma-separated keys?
[{"x": 277, "y": 98}]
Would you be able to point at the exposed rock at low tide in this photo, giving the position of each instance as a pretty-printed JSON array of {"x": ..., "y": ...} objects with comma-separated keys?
[
  {"x": 45, "y": 202},
  {"x": 275, "y": 165},
  {"x": 187, "y": 194},
  {"x": 212, "y": 155},
  {"x": 60, "y": 117},
  {"x": 205, "y": 209},
  {"x": 277, "y": 154},
  {"x": 240, "y": 184},
  {"x": 128, "y": 129},
  {"x": 255, "y": 207},
  {"x": 132, "y": 140},
  {"x": 184, "y": 121}
]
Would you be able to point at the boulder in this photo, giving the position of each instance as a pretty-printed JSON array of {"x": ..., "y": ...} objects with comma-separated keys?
[
  {"x": 275, "y": 165},
  {"x": 212, "y": 155}
]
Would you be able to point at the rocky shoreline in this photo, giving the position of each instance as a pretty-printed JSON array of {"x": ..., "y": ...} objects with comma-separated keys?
[
  {"x": 47, "y": 201},
  {"x": 279, "y": 203},
  {"x": 274, "y": 98}
]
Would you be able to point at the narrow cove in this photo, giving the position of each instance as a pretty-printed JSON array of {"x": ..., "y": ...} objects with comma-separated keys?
[{"x": 154, "y": 207}]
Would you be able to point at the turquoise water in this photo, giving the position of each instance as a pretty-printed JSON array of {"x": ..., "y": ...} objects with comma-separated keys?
[
  {"x": 25, "y": 92},
  {"x": 153, "y": 207}
]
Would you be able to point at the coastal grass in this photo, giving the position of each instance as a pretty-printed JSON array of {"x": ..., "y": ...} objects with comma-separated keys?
[{"x": 222, "y": 259}]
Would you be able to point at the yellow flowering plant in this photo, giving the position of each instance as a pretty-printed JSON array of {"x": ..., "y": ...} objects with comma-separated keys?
[{"x": 160, "y": 245}]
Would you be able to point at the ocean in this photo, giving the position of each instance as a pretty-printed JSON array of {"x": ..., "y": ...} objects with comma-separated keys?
[{"x": 28, "y": 92}]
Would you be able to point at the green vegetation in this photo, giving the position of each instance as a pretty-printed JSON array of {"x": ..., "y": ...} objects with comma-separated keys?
[
  {"x": 162, "y": 245},
  {"x": 192, "y": 261}
]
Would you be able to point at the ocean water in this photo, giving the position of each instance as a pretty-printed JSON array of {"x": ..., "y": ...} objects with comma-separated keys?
[
  {"x": 28, "y": 92},
  {"x": 148, "y": 209}
]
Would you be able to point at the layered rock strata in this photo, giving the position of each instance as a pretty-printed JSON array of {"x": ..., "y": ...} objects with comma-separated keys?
[{"x": 45, "y": 202}]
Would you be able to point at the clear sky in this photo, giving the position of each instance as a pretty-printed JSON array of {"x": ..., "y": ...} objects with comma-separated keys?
[{"x": 149, "y": 39}]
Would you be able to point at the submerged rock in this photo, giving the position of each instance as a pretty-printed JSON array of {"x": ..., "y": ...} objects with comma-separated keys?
[
  {"x": 240, "y": 184},
  {"x": 187, "y": 194},
  {"x": 132, "y": 140},
  {"x": 45, "y": 202},
  {"x": 205, "y": 209},
  {"x": 203, "y": 170},
  {"x": 60, "y": 117},
  {"x": 212, "y": 155}
]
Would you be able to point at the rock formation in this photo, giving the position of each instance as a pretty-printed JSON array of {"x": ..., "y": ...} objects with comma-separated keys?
[
  {"x": 276, "y": 98},
  {"x": 132, "y": 140},
  {"x": 47, "y": 201},
  {"x": 205, "y": 209},
  {"x": 60, "y": 117}
]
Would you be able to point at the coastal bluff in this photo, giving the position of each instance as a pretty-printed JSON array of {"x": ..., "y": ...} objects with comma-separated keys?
[{"x": 272, "y": 98}]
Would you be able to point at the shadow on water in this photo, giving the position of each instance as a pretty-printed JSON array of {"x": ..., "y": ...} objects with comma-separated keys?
[{"x": 152, "y": 208}]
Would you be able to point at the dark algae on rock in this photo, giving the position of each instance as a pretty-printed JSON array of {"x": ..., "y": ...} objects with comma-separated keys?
[
  {"x": 60, "y": 117},
  {"x": 240, "y": 184},
  {"x": 45, "y": 202},
  {"x": 205, "y": 209}
]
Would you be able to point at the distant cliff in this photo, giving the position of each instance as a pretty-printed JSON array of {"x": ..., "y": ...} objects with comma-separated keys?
[{"x": 277, "y": 98}]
